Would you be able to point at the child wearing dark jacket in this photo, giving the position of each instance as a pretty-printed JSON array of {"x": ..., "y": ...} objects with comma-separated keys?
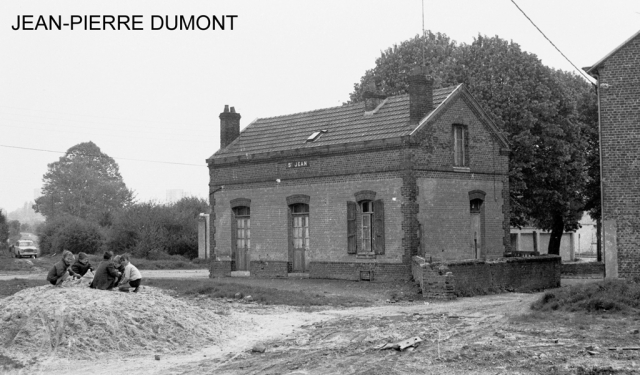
[
  {"x": 106, "y": 273},
  {"x": 82, "y": 265},
  {"x": 62, "y": 270}
]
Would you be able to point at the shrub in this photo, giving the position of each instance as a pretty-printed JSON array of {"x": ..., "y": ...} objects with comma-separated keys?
[
  {"x": 70, "y": 233},
  {"x": 150, "y": 230}
]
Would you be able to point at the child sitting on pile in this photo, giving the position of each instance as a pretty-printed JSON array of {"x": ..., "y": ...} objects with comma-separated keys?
[
  {"x": 82, "y": 265},
  {"x": 62, "y": 270},
  {"x": 131, "y": 275}
]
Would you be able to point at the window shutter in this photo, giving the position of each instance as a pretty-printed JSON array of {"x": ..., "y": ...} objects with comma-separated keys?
[
  {"x": 351, "y": 228},
  {"x": 290, "y": 236},
  {"x": 378, "y": 226}
]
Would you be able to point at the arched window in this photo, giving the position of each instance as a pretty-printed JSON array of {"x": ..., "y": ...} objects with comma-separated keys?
[
  {"x": 476, "y": 210},
  {"x": 299, "y": 236},
  {"x": 365, "y": 224}
]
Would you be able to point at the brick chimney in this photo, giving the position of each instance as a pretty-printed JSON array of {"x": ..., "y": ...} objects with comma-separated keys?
[
  {"x": 371, "y": 97},
  {"x": 420, "y": 94},
  {"x": 229, "y": 126}
]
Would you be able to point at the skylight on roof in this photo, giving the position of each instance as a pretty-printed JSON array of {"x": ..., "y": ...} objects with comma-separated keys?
[{"x": 315, "y": 135}]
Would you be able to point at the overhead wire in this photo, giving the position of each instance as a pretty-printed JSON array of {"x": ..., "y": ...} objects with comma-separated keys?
[
  {"x": 589, "y": 79},
  {"x": 113, "y": 157}
]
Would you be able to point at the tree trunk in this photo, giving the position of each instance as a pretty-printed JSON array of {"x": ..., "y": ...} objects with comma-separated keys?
[
  {"x": 556, "y": 235},
  {"x": 599, "y": 240}
]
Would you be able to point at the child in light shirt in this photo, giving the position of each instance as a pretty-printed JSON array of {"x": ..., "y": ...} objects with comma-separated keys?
[{"x": 130, "y": 276}]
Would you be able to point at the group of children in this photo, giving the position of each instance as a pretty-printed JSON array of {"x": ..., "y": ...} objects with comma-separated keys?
[{"x": 111, "y": 272}]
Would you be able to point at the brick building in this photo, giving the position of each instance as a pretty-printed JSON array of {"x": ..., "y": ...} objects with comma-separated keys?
[
  {"x": 618, "y": 75},
  {"x": 355, "y": 191}
]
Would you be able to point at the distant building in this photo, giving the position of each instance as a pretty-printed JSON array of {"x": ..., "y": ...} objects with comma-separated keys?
[
  {"x": 618, "y": 75},
  {"x": 174, "y": 195},
  {"x": 357, "y": 190},
  {"x": 579, "y": 244}
]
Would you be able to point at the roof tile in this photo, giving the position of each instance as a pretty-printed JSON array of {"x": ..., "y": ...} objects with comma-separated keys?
[{"x": 344, "y": 124}]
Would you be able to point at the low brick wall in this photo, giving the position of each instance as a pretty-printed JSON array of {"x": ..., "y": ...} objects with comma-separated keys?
[
  {"x": 583, "y": 270},
  {"x": 445, "y": 280},
  {"x": 351, "y": 271},
  {"x": 268, "y": 268}
]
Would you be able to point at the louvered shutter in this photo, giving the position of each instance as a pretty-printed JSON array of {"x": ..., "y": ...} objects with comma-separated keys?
[
  {"x": 351, "y": 228},
  {"x": 378, "y": 226}
]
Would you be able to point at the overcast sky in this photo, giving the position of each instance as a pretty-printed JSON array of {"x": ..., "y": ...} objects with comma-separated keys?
[{"x": 156, "y": 94}]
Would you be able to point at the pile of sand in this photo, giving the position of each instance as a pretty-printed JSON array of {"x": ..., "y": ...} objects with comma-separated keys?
[{"x": 78, "y": 322}]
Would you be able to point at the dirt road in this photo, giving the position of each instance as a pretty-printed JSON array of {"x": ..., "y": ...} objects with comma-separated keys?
[{"x": 480, "y": 335}]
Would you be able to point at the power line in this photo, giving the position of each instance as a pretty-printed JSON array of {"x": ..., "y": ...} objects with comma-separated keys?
[
  {"x": 114, "y": 157},
  {"x": 549, "y": 40}
]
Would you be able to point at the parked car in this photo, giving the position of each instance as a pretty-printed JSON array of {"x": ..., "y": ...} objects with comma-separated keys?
[{"x": 24, "y": 248}]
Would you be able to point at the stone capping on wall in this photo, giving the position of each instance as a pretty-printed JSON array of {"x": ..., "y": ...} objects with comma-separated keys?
[
  {"x": 298, "y": 198},
  {"x": 240, "y": 202},
  {"x": 365, "y": 195}
]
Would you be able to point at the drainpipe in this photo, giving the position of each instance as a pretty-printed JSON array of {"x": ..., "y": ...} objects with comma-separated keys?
[
  {"x": 602, "y": 226},
  {"x": 213, "y": 208}
]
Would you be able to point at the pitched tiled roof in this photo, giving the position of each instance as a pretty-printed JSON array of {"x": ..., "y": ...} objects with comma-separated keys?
[{"x": 344, "y": 124}]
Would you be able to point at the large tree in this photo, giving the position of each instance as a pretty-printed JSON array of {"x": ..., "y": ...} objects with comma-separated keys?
[
  {"x": 84, "y": 183},
  {"x": 545, "y": 114}
]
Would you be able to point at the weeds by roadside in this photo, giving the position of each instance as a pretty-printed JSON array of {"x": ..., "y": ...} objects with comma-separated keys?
[{"x": 609, "y": 296}]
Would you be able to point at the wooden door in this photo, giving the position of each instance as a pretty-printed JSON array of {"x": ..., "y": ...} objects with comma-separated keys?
[
  {"x": 243, "y": 243},
  {"x": 300, "y": 242}
]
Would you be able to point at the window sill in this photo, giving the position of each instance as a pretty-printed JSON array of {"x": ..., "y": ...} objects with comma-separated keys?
[
  {"x": 371, "y": 255},
  {"x": 462, "y": 169}
]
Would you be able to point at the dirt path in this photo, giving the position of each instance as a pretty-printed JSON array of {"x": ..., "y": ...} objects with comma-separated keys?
[
  {"x": 269, "y": 323},
  {"x": 495, "y": 334},
  {"x": 281, "y": 330}
]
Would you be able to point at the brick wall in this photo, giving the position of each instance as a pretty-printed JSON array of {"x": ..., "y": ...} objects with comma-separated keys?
[
  {"x": 476, "y": 277},
  {"x": 381, "y": 272},
  {"x": 585, "y": 269},
  {"x": 327, "y": 217},
  {"x": 219, "y": 268},
  {"x": 445, "y": 216},
  {"x": 269, "y": 269},
  {"x": 620, "y": 142}
]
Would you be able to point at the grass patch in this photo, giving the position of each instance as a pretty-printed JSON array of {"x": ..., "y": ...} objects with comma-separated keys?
[
  {"x": 9, "y": 287},
  {"x": 263, "y": 295},
  {"x": 619, "y": 296}
]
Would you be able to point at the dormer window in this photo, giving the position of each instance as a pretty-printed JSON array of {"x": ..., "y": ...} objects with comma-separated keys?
[{"x": 315, "y": 135}]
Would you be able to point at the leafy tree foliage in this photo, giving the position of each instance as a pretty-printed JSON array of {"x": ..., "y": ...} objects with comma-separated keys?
[
  {"x": 70, "y": 233},
  {"x": 14, "y": 230},
  {"x": 546, "y": 114},
  {"x": 84, "y": 183},
  {"x": 150, "y": 230},
  {"x": 4, "y": 231}
]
